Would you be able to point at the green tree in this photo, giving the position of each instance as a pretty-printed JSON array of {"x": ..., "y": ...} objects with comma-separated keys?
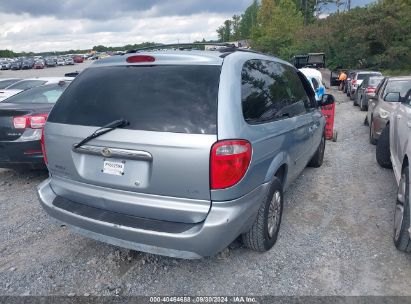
[{"x": 277, "y": 23}]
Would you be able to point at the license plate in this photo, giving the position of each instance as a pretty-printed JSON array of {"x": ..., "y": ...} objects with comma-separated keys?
[{"x": 115, "y": 168}]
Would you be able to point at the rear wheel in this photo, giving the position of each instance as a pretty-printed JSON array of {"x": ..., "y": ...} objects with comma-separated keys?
[
  {"x": 318, "y": 157},
  {"x": 382, "y": 152},
  {"x": 402, "y": 213},
  {"x": 263, "y": 234}
]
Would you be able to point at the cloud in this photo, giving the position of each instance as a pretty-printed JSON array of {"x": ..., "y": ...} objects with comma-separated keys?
[
  {"x": 45, "y": 25},
  {"x": 113, "y": 9},
  {"x": 50, "y": 34}
]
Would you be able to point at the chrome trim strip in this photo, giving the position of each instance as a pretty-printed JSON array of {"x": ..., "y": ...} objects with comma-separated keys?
[{"x": 114, "y": 152}]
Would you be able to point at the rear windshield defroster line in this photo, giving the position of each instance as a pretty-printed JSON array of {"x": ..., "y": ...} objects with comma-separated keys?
[{"x": 164, "y": 98}]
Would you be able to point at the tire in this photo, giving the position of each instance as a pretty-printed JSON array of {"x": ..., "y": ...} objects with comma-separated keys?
[
  {"x": 260, "y": 237},
  {"x": 382, "y": 152},
  {"x": 373, "y": 141},
  {"x": 362, "y": 106},
  {"x": 402, "y": 213},
  {"x": 318, "y": 157},
  {"x": 351, "y": 96}
]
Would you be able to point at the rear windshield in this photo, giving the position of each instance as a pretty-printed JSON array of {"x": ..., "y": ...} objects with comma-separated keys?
[
  {"x": 374, "y": 81},
  {"x": 41, "y": 94},
  {"x": 363, "y": 76},
  {"x": 398, "y": 86},
  {"x": 6, "y": 83},
  {"x": 26, "y": 84},
  {"x": 172, "y": 98}
]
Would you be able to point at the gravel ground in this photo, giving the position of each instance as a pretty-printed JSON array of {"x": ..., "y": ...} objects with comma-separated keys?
[{"x": 335, "y": 239}]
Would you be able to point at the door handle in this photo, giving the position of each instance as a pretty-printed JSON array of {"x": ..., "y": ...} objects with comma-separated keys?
[{"x": 398, "y": 116}]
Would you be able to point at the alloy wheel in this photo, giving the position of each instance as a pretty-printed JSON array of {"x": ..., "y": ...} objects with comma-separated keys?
[{"x": 274, "y": 213}]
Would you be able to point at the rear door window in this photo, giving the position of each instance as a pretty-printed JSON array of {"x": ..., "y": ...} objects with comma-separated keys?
[
  {"x": 164, "y": 98},
  {"x": 271, "y": 91},
  {"x": 398, "y": 86}
]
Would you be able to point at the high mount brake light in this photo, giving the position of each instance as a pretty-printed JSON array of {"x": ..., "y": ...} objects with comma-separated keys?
[
  {"x": 229, "y": 162},
  {"x": 140, "y": 58},
  {"x": 36, "y": 121}
]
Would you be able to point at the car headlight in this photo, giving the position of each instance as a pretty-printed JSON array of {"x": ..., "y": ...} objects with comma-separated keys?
[{"x": 384, "y": 114}]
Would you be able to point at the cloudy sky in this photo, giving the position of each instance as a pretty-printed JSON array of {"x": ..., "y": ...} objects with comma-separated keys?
[{"x": 47, "y": 25}]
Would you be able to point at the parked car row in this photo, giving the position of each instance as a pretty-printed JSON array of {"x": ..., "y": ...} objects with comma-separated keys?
[
  {"x": 388, "y": 101},
  {"x": 38, "y": 62}
]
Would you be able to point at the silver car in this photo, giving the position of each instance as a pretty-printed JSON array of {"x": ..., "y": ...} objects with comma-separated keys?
[
  {"x": 179, "y": 152},
  {"x": 367, "y": 90},
  {"x": 358, "y": 78},
  {"x": 400, "y": 151},
  {"x": 386, "y": 99}
]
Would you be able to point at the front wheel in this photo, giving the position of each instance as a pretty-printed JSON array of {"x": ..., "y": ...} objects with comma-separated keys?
[
  {"x": 402, "y": 213},
  {"x": 382, "y": 152},
  {"x": 264, "y": 231}
]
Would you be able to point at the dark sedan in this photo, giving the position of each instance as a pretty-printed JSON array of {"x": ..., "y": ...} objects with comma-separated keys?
[{"x": 22, "y": 118}]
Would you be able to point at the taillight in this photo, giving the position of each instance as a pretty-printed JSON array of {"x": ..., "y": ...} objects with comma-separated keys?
[
  {"x": 354, "y": 82},
  {"x": 19, "y": 122},
  {"x": 140, "y": 58},
  {"x": 43, "y": 147},
  {"x": 229, "y": 162},
  {"x": 36, "y": 121},
  {"x": 370, "y": 90}
]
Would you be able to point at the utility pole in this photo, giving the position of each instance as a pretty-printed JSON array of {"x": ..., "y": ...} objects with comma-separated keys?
[{"x": 349, "y": 5}]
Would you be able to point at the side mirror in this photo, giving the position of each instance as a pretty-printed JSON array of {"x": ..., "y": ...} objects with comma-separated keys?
[
  {"x": 326, "y": 100},
  {"x": 392, "y": 97}
]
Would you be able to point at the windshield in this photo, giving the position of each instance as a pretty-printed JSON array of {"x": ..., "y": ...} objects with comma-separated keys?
[
  {"x": 42, "y": 94},
  {"x": 180, "y": 98},
  {"x": 26, "y": 84}
]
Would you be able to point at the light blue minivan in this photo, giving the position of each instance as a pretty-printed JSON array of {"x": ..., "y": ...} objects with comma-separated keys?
[{"x": 180, "y": 152}]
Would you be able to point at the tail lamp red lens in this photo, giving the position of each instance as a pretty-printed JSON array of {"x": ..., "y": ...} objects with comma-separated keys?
[
  {"x": 43, "y": 147},
  {"x": 140, "y": 58},
  {"x": 354, "y": 82},
  {"x": 230, "y": 160},
  {"x": 370, "y": 90},
  {"x": 36, "y": 121}
]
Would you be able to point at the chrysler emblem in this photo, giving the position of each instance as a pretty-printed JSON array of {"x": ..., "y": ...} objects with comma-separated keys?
[{"x": 106, "y": 152}]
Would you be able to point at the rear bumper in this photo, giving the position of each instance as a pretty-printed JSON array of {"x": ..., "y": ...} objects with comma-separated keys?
[
  {"x": 20, "y": 154},
  {"x": 225, "y": 222}
]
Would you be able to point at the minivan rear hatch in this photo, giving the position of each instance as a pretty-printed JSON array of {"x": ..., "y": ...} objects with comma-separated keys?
[{"x": 155, "y": 167}]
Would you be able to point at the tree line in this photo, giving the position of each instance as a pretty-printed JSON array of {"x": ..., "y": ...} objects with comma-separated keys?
[{"x": 375, "y": 36}]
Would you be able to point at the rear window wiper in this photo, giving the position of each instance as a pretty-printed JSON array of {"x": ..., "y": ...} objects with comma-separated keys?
[{"x": 119, "y": 123}]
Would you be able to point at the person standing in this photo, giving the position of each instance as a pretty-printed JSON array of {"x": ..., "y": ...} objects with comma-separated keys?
[{"x": 342, "y": 78}]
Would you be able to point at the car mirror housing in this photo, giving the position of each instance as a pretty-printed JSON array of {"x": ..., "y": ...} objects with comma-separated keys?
[
  {"x": 392, "y": 97},
  {"x": 326, "y": 100}
]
